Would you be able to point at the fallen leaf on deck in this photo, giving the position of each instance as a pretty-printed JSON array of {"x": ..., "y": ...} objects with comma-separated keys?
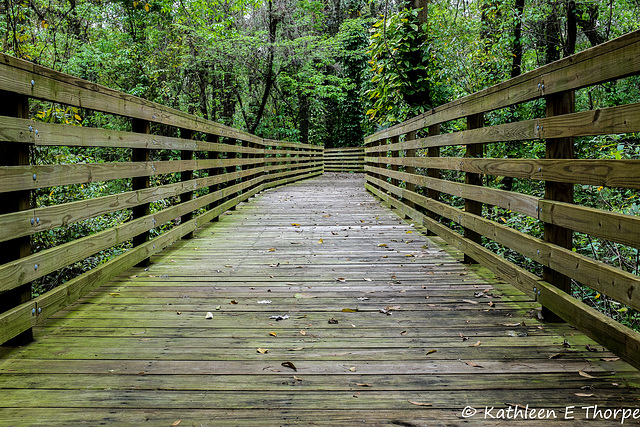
[
  {"x": 320, "y": 241},
  {"x": 209, "y": 315},
  {"x": 382, "y": 245},
  {"x": 511, "y": 324},
  {"x": 419, "y": 403},
  {"x": 362, "y": 298},
  {"x": 340, "y": 279},
  {"x": 334, "y": 233},
  {"x": 274, "y": 265},
  {"x": 367, "y": 279},
  {"x": 392, "y": 307},
  {"x": 295, "y": 224},
  {"x": 262, "y": 350},
  {"x": 175, "y": 423},
  {"x": 475, "y": 365},
  {"x": 364, "y": 384},
  {"x": 409, "y": 255},
  {"x": 233, "y": 301},
  {"x": 297, "y": 378},
  {"x": 476, "y": 344},
  {"x": 352, "y": 369},
  {"x": 218, "y": 307},
  {"x": 272, "y": 249},
  {"x": 431, "y": 352},
  {"x": 289, "y": 365},
  {"x": 273, "y": 334},
  {"x": 609, "y": 359},
  {"x": 491, "y": 304},
  {"x": 332, "y": 321},
  {"x": 178, "y": 313},
  {"x": 265, "y": 301},
  {"x": 584, "y": 374},
  {"x": 589, "y": 348},
  {"x": 295, "y": 349},
  {"x": 555, "y": 356},
  {"x": 349, "y": 310},
  {"x": 302, "y": 332},
  {"x": 279, "y": 317},
  {"x": 469, "y": 301},
  {"x": 583, "y": 394},
  {"x": 114, "y": 294},
  {"x": 403, "y": 332}
]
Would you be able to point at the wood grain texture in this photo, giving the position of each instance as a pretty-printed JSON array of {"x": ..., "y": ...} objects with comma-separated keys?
[{"x": 125, "y": 345}]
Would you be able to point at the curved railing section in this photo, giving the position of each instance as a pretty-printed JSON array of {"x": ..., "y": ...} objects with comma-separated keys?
[
  {"x": 181, "y": 172},
  {"x": 439, "y": 180}
]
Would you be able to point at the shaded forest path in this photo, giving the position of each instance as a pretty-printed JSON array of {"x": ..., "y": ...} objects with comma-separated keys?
[{"x": 382, "y": 325}]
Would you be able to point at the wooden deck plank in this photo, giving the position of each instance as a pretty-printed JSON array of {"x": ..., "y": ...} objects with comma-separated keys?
[{"x": 139, "y": 350}]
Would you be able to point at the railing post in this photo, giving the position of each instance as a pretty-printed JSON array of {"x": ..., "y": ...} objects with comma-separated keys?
[
  {"x": 410, "y": 186},
  {"x": 186, "y": 176},
  {"x": 433, "y": 130},
  {"x": 140, "y": 182},
  {"x": 471, "y": 206},
  {"x": 15, "y": 154},
  {"x": 558, "y": 148},
  {"x": 394, "y": 153},
  {"x": 212, "y": 172}
]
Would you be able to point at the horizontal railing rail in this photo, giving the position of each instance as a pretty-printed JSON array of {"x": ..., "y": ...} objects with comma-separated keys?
[
  {"x": 348, "y": 159},
  {"x": 442, "y": 181},
  {"x": 175, "y": 173}
]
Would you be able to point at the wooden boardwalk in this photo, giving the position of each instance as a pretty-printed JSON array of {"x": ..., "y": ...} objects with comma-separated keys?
[{"x": 382, "y": 324}]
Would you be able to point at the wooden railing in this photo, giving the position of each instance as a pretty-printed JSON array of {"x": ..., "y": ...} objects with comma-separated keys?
[
  {"x": 218, "y": 168},
  {"x": 405, "y": 168},
  {"x": 348, "y": 159}
]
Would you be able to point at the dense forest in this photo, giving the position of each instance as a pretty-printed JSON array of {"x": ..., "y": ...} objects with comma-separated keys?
[{"x": 325, "y": 72}]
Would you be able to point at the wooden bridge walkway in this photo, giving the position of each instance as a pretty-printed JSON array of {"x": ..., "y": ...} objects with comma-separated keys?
[{"x": 382, "y": 325}]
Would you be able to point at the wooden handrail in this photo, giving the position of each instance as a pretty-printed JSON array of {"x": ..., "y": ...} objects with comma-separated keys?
[
  {"x": 404, "y": 170},
  {"x": 232, "y": 165},
  {"x": 347, "y": 159}
]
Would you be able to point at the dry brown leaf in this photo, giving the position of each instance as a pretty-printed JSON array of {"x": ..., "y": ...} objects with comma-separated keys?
[
  {"x": 303, "y": 332},
  {"x": 419, "y": 403},
  {"x": 273, "y": 334},
  {"x": 352, "y": 369},
  {"x": 469, "y": 301},
  {"x": 175, "y": 423},
  {"x": 341, "y": 279},
  {"x": 584, "y": 394},
  {"x": 609, "y": 359},
  {"x": 491, "y": 304},
  {"x": 297, "y": 378},
  {"x": 475, "y": 365},
  {"x": 403, "y": 332},
  {"x": 431, "y": 352},
  {"x": 295, "y": 349},
  {"x": 382, "y": 245},
  {"x": 584, "y": 374},
  {"x": 476, "y": 344},
  {"x": 233, "y": 301},
  {"x": 272, "y": 249},
  {"x": 262, "y": 350},
  {"x": 364, "y": 384},
  {"x": 289, "y": 365},
  {"x": 510, "y": 324},
  {"x": 178, "y": 313},
  {"x": 555, "y": 356}
]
